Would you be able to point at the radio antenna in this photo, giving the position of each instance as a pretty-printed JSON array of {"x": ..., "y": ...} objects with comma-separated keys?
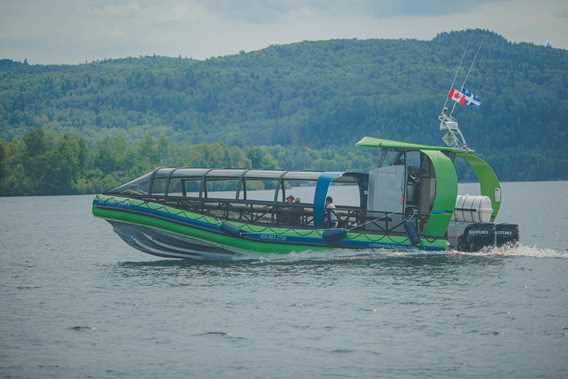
[
  {"x": 466, "y": 76},
  {"x": 458, "y": 69},
  {"x": 453, "y": 136}
]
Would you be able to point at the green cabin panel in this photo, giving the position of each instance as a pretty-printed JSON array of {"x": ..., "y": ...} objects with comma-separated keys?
[
  {"x": 445, "y": 195},
  {"x": 488, "y": 182}
]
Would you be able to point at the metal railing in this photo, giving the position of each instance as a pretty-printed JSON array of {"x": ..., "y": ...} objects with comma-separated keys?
[{"x": 260, "y": 212}]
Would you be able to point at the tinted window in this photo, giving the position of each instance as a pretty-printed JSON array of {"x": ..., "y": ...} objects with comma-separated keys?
[
  {"x": 159, "y": 186},
  {"x": 345, "y": 194},
  {"x": 138, "y": 186},
  {"x": 223, "y": 188},
  {"x": 261, "y": 189},
  {"x": 192, "y": 187},
  {"x": 176, "y": 187},
  {"x": 304, "y": 189}
]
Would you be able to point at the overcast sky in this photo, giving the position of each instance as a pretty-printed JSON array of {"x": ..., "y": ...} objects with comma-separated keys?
[{"x": 73, "y": 31}]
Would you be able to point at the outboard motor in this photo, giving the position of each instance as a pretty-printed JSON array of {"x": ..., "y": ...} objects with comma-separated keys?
[
  {"x": 477, "y": 236},
  {"x": 506, "y": 234}
]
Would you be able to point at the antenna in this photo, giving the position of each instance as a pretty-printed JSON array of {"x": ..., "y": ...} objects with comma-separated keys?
[
  {"x": 467, "y": 75},
  {"x": 453, "y": 136},
  {"x": 455, "y": 77}
]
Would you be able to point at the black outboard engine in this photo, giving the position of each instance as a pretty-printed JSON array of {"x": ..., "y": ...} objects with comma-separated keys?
[
  {"x": 506, "y": 234},
  {"x": 477, "y": 236}
]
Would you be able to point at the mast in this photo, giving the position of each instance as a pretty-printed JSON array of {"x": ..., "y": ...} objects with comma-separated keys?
[{"x": 453, "y": 137}]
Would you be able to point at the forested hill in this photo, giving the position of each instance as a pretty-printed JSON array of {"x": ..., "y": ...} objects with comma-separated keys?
[{"x": 320, "y": 94}]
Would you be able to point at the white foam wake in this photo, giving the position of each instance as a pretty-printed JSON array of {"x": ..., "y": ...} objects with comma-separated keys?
[
  {"x": 517, "y": 251},
  {"x": 346, "y": 254}
]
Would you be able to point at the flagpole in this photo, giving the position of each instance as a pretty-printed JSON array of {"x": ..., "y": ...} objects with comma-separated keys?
[
  {"x": 454, "y": 79},
  {"x": 466, "y": 76}
]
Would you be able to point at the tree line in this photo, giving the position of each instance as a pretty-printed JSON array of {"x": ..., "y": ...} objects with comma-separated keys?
[
  {"x": 310, "y": 99},
  {"x": 46, "y": 161}
]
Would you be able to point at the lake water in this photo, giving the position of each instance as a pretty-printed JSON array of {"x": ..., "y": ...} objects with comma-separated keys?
[{"x": 76, "y": 302}]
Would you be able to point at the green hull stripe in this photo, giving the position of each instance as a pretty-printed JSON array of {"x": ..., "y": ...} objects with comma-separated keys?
[
  {"x": 240, "y": 243},
  {"x": 217, "y": 238}
]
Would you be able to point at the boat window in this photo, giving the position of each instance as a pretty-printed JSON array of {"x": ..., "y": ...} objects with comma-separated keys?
[
  {"x": 163, "y": 172},
  {"x": 304, "y": 189},
  {"x": 390, "y": 158},
  {"x": 345, "y": 194},
  {"x": 224, "y": 188},
  {"x": 192, "y": 187},
  {"x": 138, "y": 186},
  {"x": 413, "y": 159},
  {"x": 261, "y": 189},
  {"x": 176, "y": 187},
  {"x": 159, "y": 186}
]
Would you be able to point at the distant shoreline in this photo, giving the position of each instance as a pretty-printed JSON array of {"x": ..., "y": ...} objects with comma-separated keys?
[{"x": 95, "y": 193}]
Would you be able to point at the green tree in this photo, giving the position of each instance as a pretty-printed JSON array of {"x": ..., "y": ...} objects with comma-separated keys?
[
  {"x": 3, "y": 167},
  {"x": 260, "y": 158}
]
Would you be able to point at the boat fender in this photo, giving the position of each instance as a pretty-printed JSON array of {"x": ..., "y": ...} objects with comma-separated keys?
[
  {"x": 230, "y": 229},
  {"x": 334, "y": 235},
  {"x": 412, "y": 233}
]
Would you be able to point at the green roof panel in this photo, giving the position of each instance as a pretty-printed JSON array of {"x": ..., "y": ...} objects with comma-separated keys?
[{"x": 390, "y": 144}]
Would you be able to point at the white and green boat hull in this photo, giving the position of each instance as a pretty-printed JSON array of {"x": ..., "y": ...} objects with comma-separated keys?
[{"x": 169, "y": 232}]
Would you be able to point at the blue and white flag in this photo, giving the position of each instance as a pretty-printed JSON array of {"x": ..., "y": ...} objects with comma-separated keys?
[{"x": 470, "y": 98}]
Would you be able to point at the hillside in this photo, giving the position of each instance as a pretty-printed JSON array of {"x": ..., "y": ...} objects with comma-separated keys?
[{"x": 316, "y": 94}]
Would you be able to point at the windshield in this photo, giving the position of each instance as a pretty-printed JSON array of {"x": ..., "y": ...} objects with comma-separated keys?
[{"x": 138, "y": 186}]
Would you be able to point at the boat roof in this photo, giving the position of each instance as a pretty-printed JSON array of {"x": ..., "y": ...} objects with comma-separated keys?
[
  {"x": 252, "y": 174},
  {"x": 399, "y": 145}
]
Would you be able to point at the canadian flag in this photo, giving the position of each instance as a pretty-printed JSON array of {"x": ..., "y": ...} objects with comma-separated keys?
[{"x": 457, "y": 96}]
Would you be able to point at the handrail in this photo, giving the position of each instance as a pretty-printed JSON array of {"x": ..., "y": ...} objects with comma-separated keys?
[
  {"x": 264, "y": 212},
  {"x": 415, "y": 218}
]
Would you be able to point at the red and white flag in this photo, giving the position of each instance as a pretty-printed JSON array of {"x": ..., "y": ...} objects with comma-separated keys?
[{"x": 457, "y": 96}]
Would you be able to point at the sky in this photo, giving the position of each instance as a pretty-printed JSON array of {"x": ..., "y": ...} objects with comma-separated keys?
[{"x": 75, "y": 31}]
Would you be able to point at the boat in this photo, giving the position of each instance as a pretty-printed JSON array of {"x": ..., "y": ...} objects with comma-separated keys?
[{"x": 408, "y": 202}]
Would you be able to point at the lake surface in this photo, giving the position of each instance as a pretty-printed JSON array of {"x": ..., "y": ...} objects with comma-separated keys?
[{"x": 76, "y": 302}]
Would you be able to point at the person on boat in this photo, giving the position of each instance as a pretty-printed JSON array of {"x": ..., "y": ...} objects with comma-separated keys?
[
  {"x": 331, "y": 217},
  {"x": 297, "y": 212},
  {"x": 285, "y": 215}
]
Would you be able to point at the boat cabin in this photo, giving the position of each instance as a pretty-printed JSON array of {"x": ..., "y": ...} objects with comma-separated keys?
[
  {"x": 291, "y": 198},
  {"x": 402, "y": 188}
]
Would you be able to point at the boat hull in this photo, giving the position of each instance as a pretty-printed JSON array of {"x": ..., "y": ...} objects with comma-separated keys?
[
  {"x": 168, "y": 245},
  {"x": 169, "y": 232}
]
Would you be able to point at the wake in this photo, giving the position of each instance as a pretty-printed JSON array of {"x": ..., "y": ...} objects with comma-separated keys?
[
  {"x": 355, "y": 255},
  {"x": 516, "y": 251}
]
